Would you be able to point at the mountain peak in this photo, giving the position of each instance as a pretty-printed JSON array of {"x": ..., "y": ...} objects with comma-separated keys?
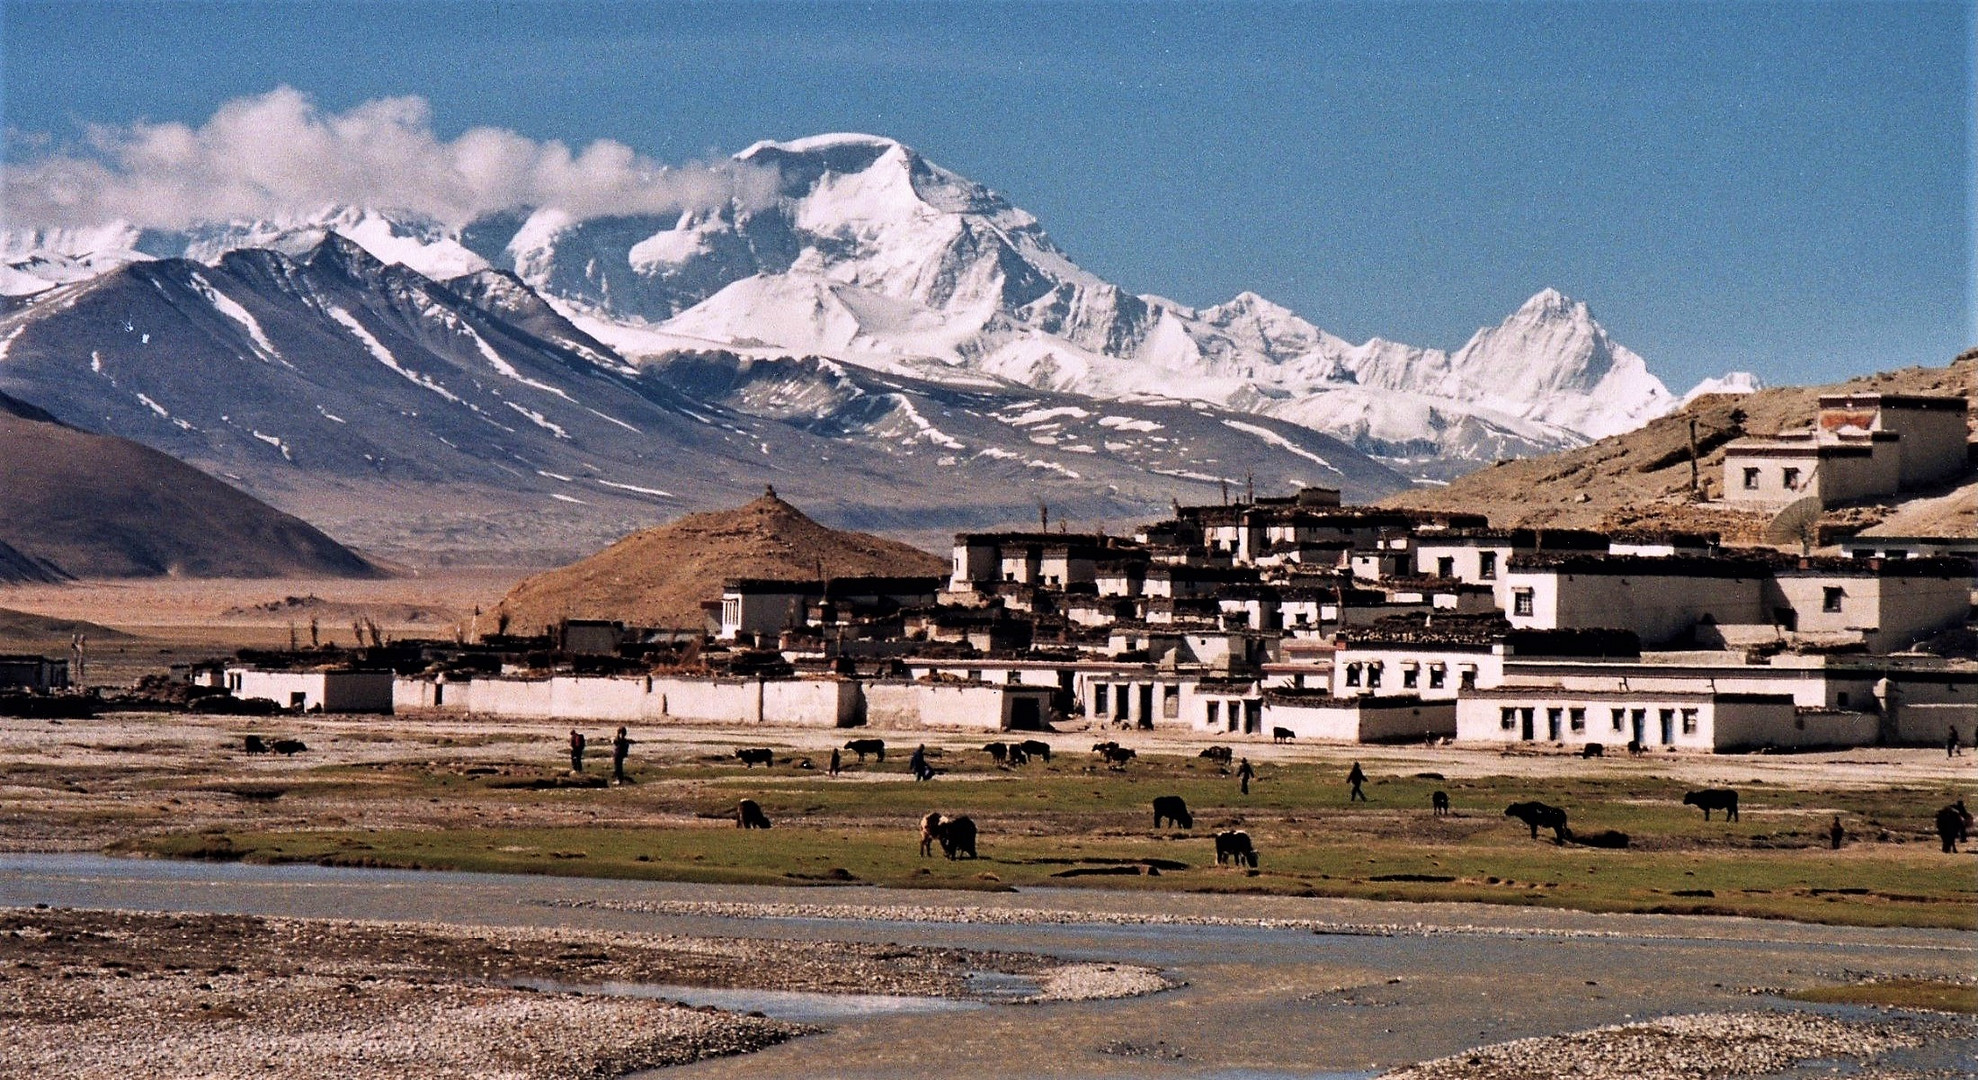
[
  {"x": 812, "y": 144},
  {"x": 1551, "y": 303}
]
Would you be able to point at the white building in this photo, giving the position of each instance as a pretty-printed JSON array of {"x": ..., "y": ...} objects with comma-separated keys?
[
  {"x": 314, "y": 691},
  {"x": 1709, "y": 722}
]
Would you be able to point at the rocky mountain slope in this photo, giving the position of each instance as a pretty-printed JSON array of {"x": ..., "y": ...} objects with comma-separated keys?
[
  {"x": 76, "y": 504},
  {"x": 1641, "y": 479},
  {"x": 659, "y": 577},
  {"x": 873, "y": 255},
  {"x": 468, "y": 420}
]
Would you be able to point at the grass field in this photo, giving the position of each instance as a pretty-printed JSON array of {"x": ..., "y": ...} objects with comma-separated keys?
[{"x": 1074, "y": 823}]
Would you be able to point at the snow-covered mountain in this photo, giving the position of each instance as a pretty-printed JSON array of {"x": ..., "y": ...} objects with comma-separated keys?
[
  {"x": 875, "y": 256},
  {"x": 468, "y": 419}
]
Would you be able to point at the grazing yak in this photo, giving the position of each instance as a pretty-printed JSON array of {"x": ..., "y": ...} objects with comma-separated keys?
[
  {"x": 1036, "y": 748},
  {"x": 930, "y": 831},
  {"x": 1439, "y": 802},
  {"x": 287, "y": 747},
  {"x": 1019, "y": 756},
  {"x": 748, "y": 815},
  {"x": 957, "y": 836},
  {"x": 752, "y": 758},
  {"x": 1635, "y": 748},
  {"x": 1714, "y": 799},
  {"x": 998, "y": 751},
  {"x": 1538, "y": 815},
  {"x": 862, "y": 747},
  {"x": 1282, "y": 734},
  {"x": 1235, "y": 847},
  {"x": 1116, "y": 755},
  {"x": 1593, "y": 750},
  {"x": 254, "y": 745},
  {"x": 1221, "y": 755},
  {"x": 1172, "y": 808}
]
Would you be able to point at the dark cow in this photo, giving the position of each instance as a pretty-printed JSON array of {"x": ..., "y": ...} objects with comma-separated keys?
[
  {"x": 1235, "y": 847},
  {"x": 288, "y": 747},
  {"x": 1172, "y": 808},
  {"x": 862, "y": 747},
  {"x": 999, "y": 751},
  {"x": 1036, "y": 748},
  {"x": 1118, "y": 756},
  {"x": 752, "y": 758},
  {"x": 1103, "y": 749},
  {"x": 1593, "y": 750},
  {"x": 1714, "y": 799},
  {"x": 930, "y": 831},
  {"x": 1953, "y": 826},
  {"x": 1282, "y": 734},
  {"x": 1221, "y": 755},
  {"x": 1538, "y": 816},
  {"x": 957, "y": 836},
  {"x": 1019, "y": 756},
  {"x": 254, "y": 745},
  {"x": 1439, "y": 802},
  {"x": 1635, "y": 748},
  {"x": 748, "y": 815}
]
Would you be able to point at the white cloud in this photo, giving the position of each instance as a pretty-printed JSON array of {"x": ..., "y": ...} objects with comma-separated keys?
[{"x": 278, "y": 153}]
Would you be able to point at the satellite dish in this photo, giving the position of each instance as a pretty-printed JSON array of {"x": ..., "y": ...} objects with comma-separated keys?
[{"x": 1795, "y": 524}]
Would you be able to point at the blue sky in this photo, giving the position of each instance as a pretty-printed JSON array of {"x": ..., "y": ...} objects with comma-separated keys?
[{"x": 1782, "y": 188}]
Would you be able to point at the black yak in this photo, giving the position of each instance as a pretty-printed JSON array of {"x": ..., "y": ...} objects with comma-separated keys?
[
  {"x": 957, "y": 836},
  {"x": 1538, "y": 815},
  {"x": 752, "y": 758},
  {"x": 1714, "y": 799},
  {"x": 1439, "y": 802},
  {"x": 1235, "y": 847},
  {"x": 862, "y": 747},
  {"x": 1172, "y": 808},
  {"x": 748, "y": 815},
  {"x": 1036, "y": 748}
]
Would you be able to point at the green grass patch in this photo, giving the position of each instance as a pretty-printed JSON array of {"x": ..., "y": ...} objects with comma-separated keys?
[{"x": 1898, "y": 993}]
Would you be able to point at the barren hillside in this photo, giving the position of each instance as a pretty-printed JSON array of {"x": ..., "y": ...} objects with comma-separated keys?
[
  {"x": 78, "y": 504},
  {"x": 659, "y": 577},
  {"x": 1641, "y": 480}
]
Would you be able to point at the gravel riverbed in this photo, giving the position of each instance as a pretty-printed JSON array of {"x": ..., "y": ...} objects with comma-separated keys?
[
  {"x": 1703, "y": 1046},
  {"x": 116, "y": 994}
]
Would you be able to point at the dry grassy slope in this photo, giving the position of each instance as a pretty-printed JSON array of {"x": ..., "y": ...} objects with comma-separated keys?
[
  {"x": 659, "y": 577},
  {"x": 99, "y": 506},
  {"x": 1641, "y": 479}
]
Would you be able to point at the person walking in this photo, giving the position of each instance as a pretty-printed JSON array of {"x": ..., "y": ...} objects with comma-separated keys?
[
  {"x": 834, "y": 762},
  {"x": 1953, "y": 825},
  {"x": 1356, "y": 778},
  {"x": 917, "y": 764},
  {"x": 1245, "y": 774},
  {"x": 576, "y": 750},
  {"x": 1951, "y": 748},
  {"x": 621, "y": 746},
  {"x": 1835, "y": 833}
]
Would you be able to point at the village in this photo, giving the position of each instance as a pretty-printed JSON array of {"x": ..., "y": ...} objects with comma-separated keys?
[{"x": 1279, "y": 618}]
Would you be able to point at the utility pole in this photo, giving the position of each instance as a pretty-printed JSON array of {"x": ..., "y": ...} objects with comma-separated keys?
[{"x": 1696, "y": 493}]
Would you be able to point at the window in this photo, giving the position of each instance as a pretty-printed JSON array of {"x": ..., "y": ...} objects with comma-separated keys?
[
  {"x": 1487, "y": 564},
  {"x": 1751, "y": 479},
  {"x": 1689, "y": 721},
  {"x": 1352, "y": 674},
  {"x": 1099, "y": 698},
  {"x": 1215, "y": 709},
  {"x": 1620, "y": 719},
  {"x": 1171, "y": 702},
  {"x": 1410, "y": 677},
  {"x": 1445, "y": 567},
  {"x": 1552, "y": 718},
  {"x": 1577, "y": 718},
  {"x": 1469, "y": 678},
  {"x": 1790, "y": 478},
  {"x": 1830, "y": 598},
  {"x": 1521, "y": 602},
  {"x": 1437, "y": 676},
  {"x": 1841, "y": 699},
  {"x": 1507, "y": 718},
  {"x": 1373, "y": 676}
]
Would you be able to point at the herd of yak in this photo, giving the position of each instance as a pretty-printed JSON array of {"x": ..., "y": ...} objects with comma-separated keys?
[{"x": 956, "y": 836}]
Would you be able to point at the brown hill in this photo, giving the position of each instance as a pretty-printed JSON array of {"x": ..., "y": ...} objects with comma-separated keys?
[
  {"x": 659, "y": 577},
  {"x": 77, "y": 504},
  {"x": 1640, "y": 480}
]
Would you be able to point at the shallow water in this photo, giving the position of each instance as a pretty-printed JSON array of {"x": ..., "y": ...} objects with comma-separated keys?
[{"x": 1257, "y": 1004}]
